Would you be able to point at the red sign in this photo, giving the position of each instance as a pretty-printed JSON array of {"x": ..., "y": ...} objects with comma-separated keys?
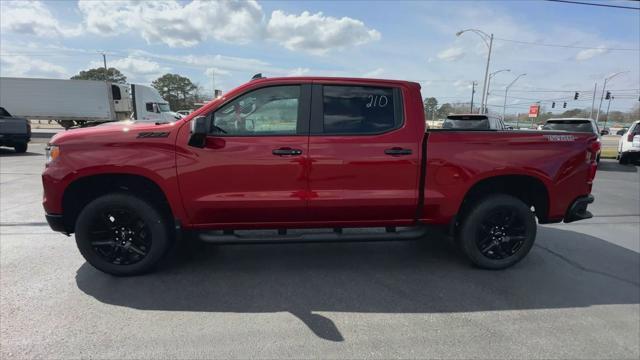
[{"x": 534, "y": 110}]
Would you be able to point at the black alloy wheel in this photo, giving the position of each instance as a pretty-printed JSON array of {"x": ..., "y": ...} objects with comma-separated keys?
[
  {"x": 498, "y": 231},
  {"x": 122, "y": 234}
]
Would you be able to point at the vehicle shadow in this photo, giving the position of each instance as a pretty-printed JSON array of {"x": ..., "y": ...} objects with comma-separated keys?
[
  {"x": 615, "y": 166},
  {"x": 11, "y": 152},
  {"x": 564, "y": 270}
]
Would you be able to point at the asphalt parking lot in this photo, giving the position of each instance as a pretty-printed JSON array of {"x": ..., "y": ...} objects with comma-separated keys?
[{"x": 577, "y": 294}]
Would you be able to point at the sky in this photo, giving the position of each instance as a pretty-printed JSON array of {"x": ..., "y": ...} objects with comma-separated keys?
[{"x": 224, "y": 43}]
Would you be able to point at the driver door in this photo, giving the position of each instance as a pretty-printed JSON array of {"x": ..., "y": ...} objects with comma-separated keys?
[{"x": 252, "y": 169}]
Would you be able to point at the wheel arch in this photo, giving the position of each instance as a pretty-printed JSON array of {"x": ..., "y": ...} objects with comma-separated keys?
[
  {"x": 84, "y": 189},
  {"x": 529, "y": 189}
]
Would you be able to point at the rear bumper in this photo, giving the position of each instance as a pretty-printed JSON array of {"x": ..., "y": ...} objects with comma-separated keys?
[
  {"x": 578, "y": 210},
  {"x": 56, "y": 223},
  {"x": 11, "y": 139}
]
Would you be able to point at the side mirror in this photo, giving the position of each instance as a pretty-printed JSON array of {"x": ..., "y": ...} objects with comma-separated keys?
[
  {"x": 199, "y": 130},
  {"x": 156, "y": 109}
]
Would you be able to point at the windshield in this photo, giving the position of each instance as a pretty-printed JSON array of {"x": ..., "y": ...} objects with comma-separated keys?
[
  {"x": 575, "y": 126},
  {"x": 164, "y": 107}
]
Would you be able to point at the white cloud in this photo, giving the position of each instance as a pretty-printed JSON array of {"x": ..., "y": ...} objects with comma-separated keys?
[
  {"x": 451, "y": 54},
  {"x": 317, "y": 33},
  {"x": 298, "y": 71},
  {"x": 25, "y": 66},
  {"x": 240, "y": 22},
  {"x": 136, "y": 69},
  {"x": 33, "y": 18},
  {"x": 174, "y": 24},
  {"x": 590, "y": 53},
  {"x": 375, "y": 73}
]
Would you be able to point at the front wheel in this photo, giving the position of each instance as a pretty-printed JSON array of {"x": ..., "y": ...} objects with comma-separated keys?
[
  {"x": 121, "y": 234},
  {"x": 623, "y": 160},
  {"x": 497, "y": 232}
]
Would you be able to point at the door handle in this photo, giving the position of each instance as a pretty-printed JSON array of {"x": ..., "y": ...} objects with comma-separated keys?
[
  {"x": 286, "y": 151},
  {"x": 395, "y": 151}
]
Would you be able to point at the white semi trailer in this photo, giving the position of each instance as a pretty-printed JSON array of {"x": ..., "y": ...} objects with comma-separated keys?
[{"x": 82, "y": 102}]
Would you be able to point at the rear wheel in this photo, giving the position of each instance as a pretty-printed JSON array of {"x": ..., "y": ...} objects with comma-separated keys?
[
  {"x": 623, "y": 160},
  {"x": 497, "y": 232},
  {"x": 121, "y": 234},
  {"x": 20, "y": 148}
]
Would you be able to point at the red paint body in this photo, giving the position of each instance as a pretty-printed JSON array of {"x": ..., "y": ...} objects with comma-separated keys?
[{"x": 236, "y": 182}]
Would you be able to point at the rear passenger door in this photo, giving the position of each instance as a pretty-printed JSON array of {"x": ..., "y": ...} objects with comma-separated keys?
[{"x": 364, "y": 159}]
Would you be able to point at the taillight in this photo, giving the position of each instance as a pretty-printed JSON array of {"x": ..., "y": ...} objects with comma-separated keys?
[
  {"x": 592, "y": 156},
  {"x": 630, "y": 137}
]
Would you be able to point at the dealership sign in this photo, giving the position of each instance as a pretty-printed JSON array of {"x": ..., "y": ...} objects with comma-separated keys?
[{"x": 534, "y": 110}]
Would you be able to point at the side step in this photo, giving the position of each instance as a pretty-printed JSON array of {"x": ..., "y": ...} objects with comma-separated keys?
[{"x": 312, "y": 235}]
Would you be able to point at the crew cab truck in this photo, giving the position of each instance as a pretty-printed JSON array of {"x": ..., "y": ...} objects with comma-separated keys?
[{"x": 324, "y": 155}]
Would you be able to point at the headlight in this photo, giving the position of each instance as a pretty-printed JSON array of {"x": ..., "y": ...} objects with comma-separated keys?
[{"x": 51, "y": 153}]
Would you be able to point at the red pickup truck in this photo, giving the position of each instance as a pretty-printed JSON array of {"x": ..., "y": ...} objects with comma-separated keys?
[{"x": 310, "y": 159}]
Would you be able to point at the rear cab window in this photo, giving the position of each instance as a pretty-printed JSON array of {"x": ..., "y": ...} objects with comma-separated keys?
[
  {"x": 467, "y": 122},
  {"x": 570, "y": 125},
  {"x": 356, "y": 110}
]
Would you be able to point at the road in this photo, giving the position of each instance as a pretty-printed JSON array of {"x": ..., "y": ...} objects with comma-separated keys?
[{"x": 577, "y": 294}]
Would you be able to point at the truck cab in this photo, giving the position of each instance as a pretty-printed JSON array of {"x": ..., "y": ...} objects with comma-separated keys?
[{"x": 311, "y": 159}]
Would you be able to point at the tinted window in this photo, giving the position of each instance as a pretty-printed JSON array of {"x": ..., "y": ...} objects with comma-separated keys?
[
  {"x": 475, "y": 124},
  {"x": 266, "y": 111},
  {"x": 149, "y": 107},
  {"x": 359, "y": 110},
  {"x": 115, "y": 91},
  {"x": 576, "y": 126},
  {"x": 4, "y": 112}
]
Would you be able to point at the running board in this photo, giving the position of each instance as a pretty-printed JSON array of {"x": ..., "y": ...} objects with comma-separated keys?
[{"x": 337, "y": 235}]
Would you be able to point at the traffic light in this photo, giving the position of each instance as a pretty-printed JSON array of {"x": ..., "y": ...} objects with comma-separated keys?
[
  {"x": 564, "y": 105},
  {"x": 575, "y": 97},
  {"x": 608, "y": 96},
  {"x": 553, "y": 104}
]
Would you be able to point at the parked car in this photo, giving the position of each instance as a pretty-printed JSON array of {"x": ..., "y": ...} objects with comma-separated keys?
[
  {"x": 622, "y": 131},
  {"x": 629, "y": 144},
  {"x": 605, "y": 131},
  {"x": 307, "y": 153},
  {"x": 582, "y": 125},
  {"x": 15, "y": 132},
  {"x": 473, "y": 122}
]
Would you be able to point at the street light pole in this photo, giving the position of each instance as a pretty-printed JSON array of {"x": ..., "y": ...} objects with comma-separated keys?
[
  {"x": 604, "y": 87},
  {"x": 488, "y": 41},
  {"x": 473, "y": 91},
  {"x": 492, "y": 75},
  {"x": 593, "y": 99},
  {"x": 607, "y": 118},
  {"x": 504, "y": 107}
]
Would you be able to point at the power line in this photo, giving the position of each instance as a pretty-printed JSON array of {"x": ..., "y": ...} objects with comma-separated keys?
[
  {"x": 595, "y": 4},
  {"x": 566, "y": 46}
]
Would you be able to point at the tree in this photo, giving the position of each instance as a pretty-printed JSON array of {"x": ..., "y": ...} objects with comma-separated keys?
[
  {"x": 111, "y": 74},
  {"x": 178, "y": 90},
  {"x": 430, "y": 105},
  {"x": 445, "y": 109}
]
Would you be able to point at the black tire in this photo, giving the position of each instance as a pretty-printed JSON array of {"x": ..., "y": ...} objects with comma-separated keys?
[
  {"x": 623, "y": 160},
  {"x": 108, "y": 221},
  {"x": 20, "y": 148},
  {"x": 497, "y": 232}
]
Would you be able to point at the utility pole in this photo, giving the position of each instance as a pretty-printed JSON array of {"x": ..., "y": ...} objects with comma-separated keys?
[
  {"x": 607, "y": 118},
  {"x": 517, "y": 121},
  {"x": 473, "y": 91},
  {"x": 213, "y": 84},
  {"x": 104, "y": 61},
  {"x": 593, "y": 99}
]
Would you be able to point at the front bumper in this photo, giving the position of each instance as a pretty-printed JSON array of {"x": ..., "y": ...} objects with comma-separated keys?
[
  {"x": 56, "y": 223},
  {"x": 578, "y": 210}
]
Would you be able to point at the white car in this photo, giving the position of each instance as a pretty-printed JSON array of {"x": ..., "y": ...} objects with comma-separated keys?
[
  {"x": 574, "y": 125},
  {"x": 629, "y": 144}
]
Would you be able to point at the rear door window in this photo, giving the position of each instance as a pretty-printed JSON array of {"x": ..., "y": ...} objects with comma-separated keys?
[{"x": 360, "y": 109}]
